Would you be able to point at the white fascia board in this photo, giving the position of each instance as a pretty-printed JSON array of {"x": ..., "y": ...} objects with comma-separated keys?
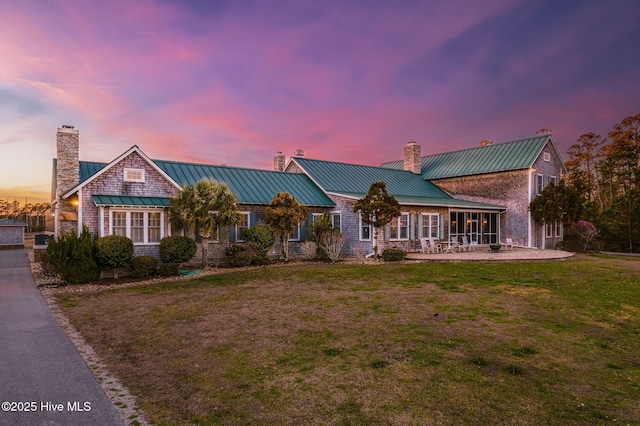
[{"x": 124, "y": 155}]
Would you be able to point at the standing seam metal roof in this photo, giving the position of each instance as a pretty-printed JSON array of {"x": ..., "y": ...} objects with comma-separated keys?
[
  {"x": 501, "y": 157},
  {"x": 347, "y": 178},
  {"x": 251, "y": 186}
]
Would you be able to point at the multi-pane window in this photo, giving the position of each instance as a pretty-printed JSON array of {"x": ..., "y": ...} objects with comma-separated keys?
[
  {"x": 365, "y": 231},
  {"x": 242, "y": 226},
  {"x": 153, "y": 229},
  {"x": 335, "y": 221},
  {"x": 554, "y": 227},
  {"x": 431, "y": 225},
  {"x": 143, "y": 227},
  {"x": 120, "y": 223},
  {"x": 399, "y": 227},
  {"x": 137, "y": 227},
  {"x": 134, "y": 175},
  {"x": 539, "y": 183}
]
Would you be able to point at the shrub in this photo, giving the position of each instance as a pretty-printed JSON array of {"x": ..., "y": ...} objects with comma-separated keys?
[
  {"x": 332, "y": 243},
  {"x": 240, "y": 255},
  {"x": 73, "y": 257},
  {"x": 260, "y": 240},
  {"x": 144, "y": 266},
  {"x": 309, "y": 250},
  {"x": 394, "y": 254},
  {"x": 168, "y": 269},
  {"x": 177, "y": 249},
  {"x": 114, "y": 251},
  {"x": 261, "y": 236}
]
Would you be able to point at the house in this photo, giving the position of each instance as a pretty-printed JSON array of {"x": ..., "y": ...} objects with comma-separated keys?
[
  {"x": 481, "y": 193},
  {"x": 11, "y": 233},
  {"x": 130, "y": 195},
  {"x": 426, "y": 208},
  {"x": 510, "y": 174}
]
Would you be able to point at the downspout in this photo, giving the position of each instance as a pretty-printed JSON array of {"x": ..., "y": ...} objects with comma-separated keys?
[
  {"x": 529, "y": 235},
  {"x": 101, "y": 221},
  {"x": 79, "y": 211}
]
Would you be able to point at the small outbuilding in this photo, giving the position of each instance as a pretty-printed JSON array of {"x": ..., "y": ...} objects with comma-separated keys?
[{"x": 11, "y": 233}]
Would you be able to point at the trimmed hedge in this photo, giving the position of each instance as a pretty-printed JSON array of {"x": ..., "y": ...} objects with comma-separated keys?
[
  {"x": 114, "y": 251},
  {"x": 394, "y": 254},
  {"x": 177, "y": 249},
  {"x": 144, "y": 266}
]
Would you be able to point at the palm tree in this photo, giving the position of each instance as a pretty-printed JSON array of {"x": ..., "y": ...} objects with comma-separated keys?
[{"x": 202, "y": 207}]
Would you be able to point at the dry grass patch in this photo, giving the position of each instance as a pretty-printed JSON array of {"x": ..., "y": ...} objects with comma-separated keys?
[{"x": 389, "y": 344}]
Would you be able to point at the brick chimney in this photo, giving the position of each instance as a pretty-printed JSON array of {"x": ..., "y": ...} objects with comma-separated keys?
[
  {"x": 278, "y": 162},
  {"x": 67, "y": 174},
  {"x": 412, "y": 160}
]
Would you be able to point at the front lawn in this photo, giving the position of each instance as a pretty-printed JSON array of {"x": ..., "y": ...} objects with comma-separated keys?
[{"x": 402, "y": 344}]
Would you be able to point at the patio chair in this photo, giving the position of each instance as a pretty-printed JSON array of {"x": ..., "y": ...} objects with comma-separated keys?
[
  {"x": 509, "y": 243},
  {"x": 465, "y": 244},
  {"x": 435, "y": 247},
  {"x": 424, "y": 245}
]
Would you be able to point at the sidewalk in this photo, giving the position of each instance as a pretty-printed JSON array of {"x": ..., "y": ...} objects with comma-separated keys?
[{"x": 44, "y": 381}]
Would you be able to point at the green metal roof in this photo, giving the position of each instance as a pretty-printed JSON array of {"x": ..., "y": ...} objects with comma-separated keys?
[
  {"x": 435, "y": 202},
  {"x": 126, "y": 200},
  {"x": 501, "y": 157},
  {"x": 343, "y": 178},
  {"x": 250, "y": 186},
  {"x": 87, "y": 168}
]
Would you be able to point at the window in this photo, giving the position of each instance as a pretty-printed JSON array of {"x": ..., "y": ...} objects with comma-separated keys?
[
  {"x": 399, "y": 227},
  {"x": 335, "y": 221},
  {"x": 119, "y": 223},
  {"x": 153, "y": 229},
  {"x": 553, "y": 179},
  {"x": 137, "y": 227},
  {"x": 546, "y": 157},
  {"x": 295, "y": 234},
  {"x": 242, "y": 226},
  {"x": 539, "y": 183},
  {"x": 365, "y": 231},
  {"x": 430, "y": 225},
  {"x": 143, "y": 227},
  {"x": 553, "y": 227},
  {"x": 133, "y": 175}
]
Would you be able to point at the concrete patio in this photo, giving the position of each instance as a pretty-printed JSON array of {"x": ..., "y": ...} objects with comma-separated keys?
[{"x": 484, "y": 254}]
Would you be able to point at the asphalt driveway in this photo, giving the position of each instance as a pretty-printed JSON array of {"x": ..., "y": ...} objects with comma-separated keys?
[{"x": 43, "y": 379}]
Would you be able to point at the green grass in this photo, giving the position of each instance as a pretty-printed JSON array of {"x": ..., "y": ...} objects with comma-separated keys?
[{"x": 512, "y": 343}]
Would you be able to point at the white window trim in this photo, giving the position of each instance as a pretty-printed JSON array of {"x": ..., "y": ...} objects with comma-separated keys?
[
  {"x": 146, "y": 212},
  {"x": 546, "y": 156},
  {"x": 398, "y": 223},
  {"x": 126, "y": 177},
  {"x": 248, "y": 215},
  {"x": 296, "y": 231},
  {"x": 539, "y": 177},
  {"x": 361, "y": 225},
  {"x": 336, "y": 213},
  {"x": 426, "y": 224},
  {"x": 315, "y": 216}
]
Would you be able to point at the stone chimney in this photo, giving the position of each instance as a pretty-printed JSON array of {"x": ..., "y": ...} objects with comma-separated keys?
[
  {"x": 67, "y": 175},
  {"x": 412, "y": 160},
  {"x": 278, "y": 162}
]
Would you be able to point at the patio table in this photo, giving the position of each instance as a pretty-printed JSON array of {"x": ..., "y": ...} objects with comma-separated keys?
[{"x": 450, "y": 246}]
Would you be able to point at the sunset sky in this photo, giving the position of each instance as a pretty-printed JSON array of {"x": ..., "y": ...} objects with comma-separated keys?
[{"x": 236, "y": 81}]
